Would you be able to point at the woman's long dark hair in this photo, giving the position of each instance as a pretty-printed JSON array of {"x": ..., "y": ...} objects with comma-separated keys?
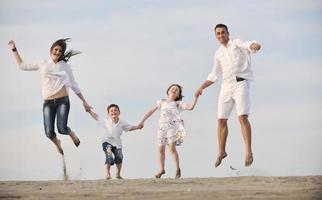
[{"x": 65, "y": 55}]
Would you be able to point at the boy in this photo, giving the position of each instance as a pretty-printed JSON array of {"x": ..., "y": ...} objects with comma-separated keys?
[{"x": 111, "y": 141}]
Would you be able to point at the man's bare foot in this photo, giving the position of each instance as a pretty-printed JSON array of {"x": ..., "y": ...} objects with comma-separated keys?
[
  {"x": 221, "y": 156},
  {"x": 74, "y": 138},
  {"x": 178, "y": 173},
  {"x": 158, "y": 175},
  {"x": 118, "y": 177},
  {"x": 108, "y": 177},
  {"x": 249, "y": 160}
]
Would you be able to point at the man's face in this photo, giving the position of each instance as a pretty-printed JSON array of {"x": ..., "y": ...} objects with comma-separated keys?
[{"x": 222, "y": 35}]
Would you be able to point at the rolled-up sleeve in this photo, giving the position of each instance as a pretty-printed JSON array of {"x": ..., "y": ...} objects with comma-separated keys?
[
  {"x": 245, "y": 45},
  {"x": 29, "y": 66},
  {"x": 72, "y": 83},
  {"x": 216, "y": 70}
]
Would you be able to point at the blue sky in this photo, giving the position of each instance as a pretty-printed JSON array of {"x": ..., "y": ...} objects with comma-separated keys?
[{"x": 132, "y": 51}]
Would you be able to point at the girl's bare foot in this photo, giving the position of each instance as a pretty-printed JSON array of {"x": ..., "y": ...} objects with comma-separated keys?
[
  {"x": 118, "y": 177},
  {"x": 74, "y": 138},
  {"x": 178, "y": 173},
  {"x": 158, "y": 175},
  {"x": 221, "y": 156},
  {"x": 249, "y": 160}
]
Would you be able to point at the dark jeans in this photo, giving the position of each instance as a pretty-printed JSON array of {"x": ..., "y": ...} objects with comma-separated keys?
[
  {"x": 112, "y": 154},
  {"x": 52, "y": 108}
]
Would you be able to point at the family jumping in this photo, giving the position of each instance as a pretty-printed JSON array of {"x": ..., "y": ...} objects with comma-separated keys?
[{"x": 232, "y": 62}]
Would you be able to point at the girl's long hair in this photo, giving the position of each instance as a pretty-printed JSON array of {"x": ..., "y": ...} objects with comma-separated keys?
[
  {"x": 180, "y": 96},
  {"x": 65, "y": 54}
]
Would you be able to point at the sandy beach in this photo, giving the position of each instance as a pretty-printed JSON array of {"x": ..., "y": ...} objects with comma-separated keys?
[{"x": 251, "y": 187}]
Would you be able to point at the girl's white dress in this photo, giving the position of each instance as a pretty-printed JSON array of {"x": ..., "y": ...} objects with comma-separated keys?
[{"x": 171, "y": 127}]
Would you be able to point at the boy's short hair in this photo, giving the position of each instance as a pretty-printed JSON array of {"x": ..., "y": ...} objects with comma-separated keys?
[
  {"x": 221, "y": 26},
  {"x": 112, "y": 105}
]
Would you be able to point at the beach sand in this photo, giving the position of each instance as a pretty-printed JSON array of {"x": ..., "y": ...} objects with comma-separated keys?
[{"x": 247, "y": 187}]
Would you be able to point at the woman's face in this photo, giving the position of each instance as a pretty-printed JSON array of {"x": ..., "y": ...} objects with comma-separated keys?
[
  {"x": 174, "y": 92},
  {"x": 56, "y": 53}
]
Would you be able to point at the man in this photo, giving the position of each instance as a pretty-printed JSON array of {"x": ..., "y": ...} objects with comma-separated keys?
[{"x": 232, "y": 62}]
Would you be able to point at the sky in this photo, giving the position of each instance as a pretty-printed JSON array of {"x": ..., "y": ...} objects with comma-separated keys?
[{"x": 131, "y": 52}]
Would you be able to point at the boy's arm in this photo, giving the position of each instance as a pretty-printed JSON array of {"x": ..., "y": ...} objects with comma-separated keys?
[
  {"x": 140, "y": 126},
  {"x": 193, "y": 104},
  {"x": 94, "y": 115}
]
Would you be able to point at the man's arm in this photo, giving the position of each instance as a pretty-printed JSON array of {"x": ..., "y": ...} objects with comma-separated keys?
[{"x": 206, "y": 84}]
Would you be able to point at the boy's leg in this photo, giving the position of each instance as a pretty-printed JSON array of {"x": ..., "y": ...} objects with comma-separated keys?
[
  {"x": 108, "y": 171},
  {"x": 118, "y": 159},
  {"x": 174, "y": 152}
]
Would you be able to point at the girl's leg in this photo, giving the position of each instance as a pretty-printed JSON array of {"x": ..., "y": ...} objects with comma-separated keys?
[
  {"x": 161, "y": 151},
  {"x": 174, "y": 152},
  {"x": 49, "y": 113},
  {"x": 107, "y": 171}
]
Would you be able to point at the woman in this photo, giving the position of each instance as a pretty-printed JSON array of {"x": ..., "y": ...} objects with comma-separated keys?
[{"x": 56, "y": 78}]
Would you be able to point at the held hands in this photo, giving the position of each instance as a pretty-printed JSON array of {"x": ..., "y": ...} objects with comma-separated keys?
[
  {"x": 87, "y": 107},
  {"x": 198, "y": 92},
  {"x": 255, "y": 47},
  {"x": 12, "y": 44},
  {"x": 141, "y": 125}
]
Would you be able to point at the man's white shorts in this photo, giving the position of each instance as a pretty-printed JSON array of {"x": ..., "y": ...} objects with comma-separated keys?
[{"x": 231, "y": 94}]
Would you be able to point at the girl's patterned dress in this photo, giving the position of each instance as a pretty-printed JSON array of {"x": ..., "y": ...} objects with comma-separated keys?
[{"x": 171, "y": 127}]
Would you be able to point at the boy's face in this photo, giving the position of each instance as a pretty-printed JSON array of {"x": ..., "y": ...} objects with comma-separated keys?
[{"x": 113, "y": 112}]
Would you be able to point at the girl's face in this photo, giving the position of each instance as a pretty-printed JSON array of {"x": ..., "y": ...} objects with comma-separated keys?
[
  {"x": 56, "y": 53},
  {"x": 174, "y": 92},
  {"x": 113, "y": 112}
]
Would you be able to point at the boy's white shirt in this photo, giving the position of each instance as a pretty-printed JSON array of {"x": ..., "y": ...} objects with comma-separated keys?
[{"x": 113, "y": 131}]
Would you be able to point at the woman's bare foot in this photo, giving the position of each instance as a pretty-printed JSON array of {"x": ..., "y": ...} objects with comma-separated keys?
[
  {"x": 249, "y": 160},
  {"x": 57, "y": 143},
  {"x": 158, "y": 175},
  {"x": 220, "y": 157},
  {"x": 178, "y": 173},
  {"x": 74, "y": 138}
]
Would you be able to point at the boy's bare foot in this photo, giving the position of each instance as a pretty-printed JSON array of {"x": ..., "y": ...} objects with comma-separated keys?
[
  {"x": 221, "y": 156},
  {"x": 74, "y": 138},
  {"x": 118, "y": 177},
  {"x": 178, "y": 173},
  {"x": 158, "y": 175},
  {"x": 249, "y": 160}
]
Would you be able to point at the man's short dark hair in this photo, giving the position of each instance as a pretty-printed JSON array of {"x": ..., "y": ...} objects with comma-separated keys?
[
  {"x": 111, "y": 106},
  {"x": 221, "y": 26}
]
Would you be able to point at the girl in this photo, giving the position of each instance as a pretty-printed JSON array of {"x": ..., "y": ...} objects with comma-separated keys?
[
  {"x": 171, "y": 128},
  {"x": 56, "y": 78}
]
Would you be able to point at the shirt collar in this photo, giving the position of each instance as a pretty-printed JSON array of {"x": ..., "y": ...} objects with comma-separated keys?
[{"x": 111, "y": 121}]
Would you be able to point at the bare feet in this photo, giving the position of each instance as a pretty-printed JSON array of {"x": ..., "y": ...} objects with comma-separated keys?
[
  {"x": 108, "y": 177},
  {"x": 57, "y": 143},
  {"x": 178, "y": 173},
  {"x": 74, "y": 138},
  {"x": 118, "y": 177},
  {"x": 158, "y": 175},
  {"x": 221, "y": 156},
  {"x": 249, "y": 160}
]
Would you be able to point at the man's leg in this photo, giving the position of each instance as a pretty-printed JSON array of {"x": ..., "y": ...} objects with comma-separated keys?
[
  {"x": 222, "y": 133},
  {"x": 247, "y": 135}
]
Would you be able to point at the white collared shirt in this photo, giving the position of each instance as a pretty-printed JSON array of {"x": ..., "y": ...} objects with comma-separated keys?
[
  {"x": 53, "y": 76},
  {"x": 235, "y": 60},
  {"x": 113, "y": 131}
]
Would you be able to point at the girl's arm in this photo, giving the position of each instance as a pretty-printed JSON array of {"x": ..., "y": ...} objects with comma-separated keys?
[
  {"x": 192, "y": 105},
  {"x": 93, "y": 114},
  {"x": 147, "y": 115}
]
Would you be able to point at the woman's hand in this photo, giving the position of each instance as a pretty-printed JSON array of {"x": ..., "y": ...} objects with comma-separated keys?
[
  {"x": 12, "y": 44},
  {"x": 87, "y": 107}
]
